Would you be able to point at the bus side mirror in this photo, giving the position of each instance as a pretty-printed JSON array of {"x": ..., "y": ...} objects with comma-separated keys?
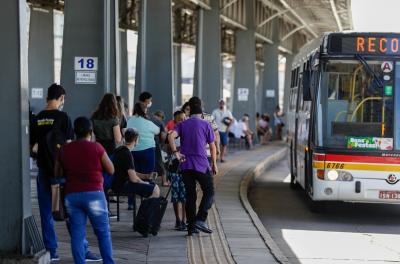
[{"x": 306, "y": 82}]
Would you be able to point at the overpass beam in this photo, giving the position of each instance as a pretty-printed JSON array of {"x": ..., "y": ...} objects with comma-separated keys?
[
  {"x": 155, "y": 60},
  {"x": 244, "y": 99},
  {"x": 208, "y": 65},
  {"x": 15, "y": 188},
  {"x": 41, "y": 57},
  {"x": 89, "y": 31}
]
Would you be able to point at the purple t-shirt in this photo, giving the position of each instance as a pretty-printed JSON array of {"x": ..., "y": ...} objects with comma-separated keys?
[{"x": 195, "y": 133}]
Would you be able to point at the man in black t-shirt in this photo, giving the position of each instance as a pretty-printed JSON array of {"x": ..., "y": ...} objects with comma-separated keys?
[
  {"x": 126, "y": 179},
  {"x": 45, "y": 121}
]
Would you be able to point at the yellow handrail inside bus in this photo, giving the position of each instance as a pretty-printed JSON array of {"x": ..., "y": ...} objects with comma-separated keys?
[
  {"x": 339, "y": 114},
  {"x": 361, "y": 103}
]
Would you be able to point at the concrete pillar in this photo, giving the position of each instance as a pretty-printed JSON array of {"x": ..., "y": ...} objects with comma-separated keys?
[
  {"x": 259, "y": 87},
  {"x": 245, "y": 68},
  {"x": 288, "y": 76},
  {"x": 270, "y": 79},
  {"x": 15, "y": 190},
  {"x": 155, "y": 60},
  {"x": 41, "y": 57},
  {"x": 87, "y": 33},
  {"x": 177, "y": 75},
  {"x": 124, "y": 76},
  {"x": 208, "y": 65}
]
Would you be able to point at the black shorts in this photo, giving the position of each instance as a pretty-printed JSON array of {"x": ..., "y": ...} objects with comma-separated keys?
[{"x": 142, "y": 189}]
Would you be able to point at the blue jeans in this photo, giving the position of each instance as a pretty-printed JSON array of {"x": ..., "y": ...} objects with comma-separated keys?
[
  {"x": 46, "y": 216},
  {"x": 80, "y": 206}
]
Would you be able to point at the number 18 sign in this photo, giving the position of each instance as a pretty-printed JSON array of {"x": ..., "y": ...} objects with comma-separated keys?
[{"x": 86, "y": 63}]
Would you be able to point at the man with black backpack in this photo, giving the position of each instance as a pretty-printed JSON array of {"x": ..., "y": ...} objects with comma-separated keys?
[{"x": 53, "y": 128}]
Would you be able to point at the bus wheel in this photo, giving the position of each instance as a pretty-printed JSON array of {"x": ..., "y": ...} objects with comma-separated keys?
[
  {"x": 293, "y": 183},
  {"x": 316, "y": 206}
]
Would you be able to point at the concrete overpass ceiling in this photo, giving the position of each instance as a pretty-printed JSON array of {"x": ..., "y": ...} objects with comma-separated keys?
[{"x": 298, "y": 21}]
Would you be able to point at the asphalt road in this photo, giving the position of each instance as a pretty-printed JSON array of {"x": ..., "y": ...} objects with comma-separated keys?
[{"x": 343, "y": 233}]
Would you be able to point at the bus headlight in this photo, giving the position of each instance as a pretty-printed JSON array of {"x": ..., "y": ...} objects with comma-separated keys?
[
  {"x": 333, "y": 175},
  {"x": 345, "y": 176},
  {"x": 339, "y": 175}
]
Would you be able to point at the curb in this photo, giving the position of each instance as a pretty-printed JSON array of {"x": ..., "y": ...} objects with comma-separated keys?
[{"x": 244, "y": 186}]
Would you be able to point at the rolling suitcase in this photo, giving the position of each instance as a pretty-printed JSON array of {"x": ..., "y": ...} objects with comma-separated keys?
[{"x": 150, "y": 215}]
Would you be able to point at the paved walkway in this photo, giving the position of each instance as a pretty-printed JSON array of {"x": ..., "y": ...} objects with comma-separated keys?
[{"x": 235, "y": 239}]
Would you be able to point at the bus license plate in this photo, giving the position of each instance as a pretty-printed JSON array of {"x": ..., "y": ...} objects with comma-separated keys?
[{"x": 389, "y": 195}]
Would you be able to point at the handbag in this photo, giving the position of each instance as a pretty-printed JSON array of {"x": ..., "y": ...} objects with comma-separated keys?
[{"x": 58, "y": 209}]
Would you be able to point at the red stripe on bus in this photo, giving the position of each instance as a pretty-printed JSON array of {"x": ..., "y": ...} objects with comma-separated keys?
[
  {"x": 318, "y": 157},
  {"x": 362, "y": 159}
]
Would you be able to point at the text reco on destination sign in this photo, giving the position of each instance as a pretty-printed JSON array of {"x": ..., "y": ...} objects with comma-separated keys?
[{"x": 370, "y": 45}]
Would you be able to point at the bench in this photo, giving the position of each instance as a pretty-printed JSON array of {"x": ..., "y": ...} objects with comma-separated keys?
[{"x": 118, "y": 195}]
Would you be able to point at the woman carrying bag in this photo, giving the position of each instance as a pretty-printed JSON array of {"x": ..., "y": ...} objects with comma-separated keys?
[{"x": 81, "y": 163}]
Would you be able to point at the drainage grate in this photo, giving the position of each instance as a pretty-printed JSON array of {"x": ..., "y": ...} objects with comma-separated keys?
[{"x": 34, "y": 238}]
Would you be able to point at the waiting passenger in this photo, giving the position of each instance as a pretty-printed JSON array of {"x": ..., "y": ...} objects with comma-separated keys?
[
  {"x": 195, "y": 134},
  {"x": 158, "y": 120},
  {"x": 144, "y": 153},
  {"x": 178, "y": 191},
  {"x": 126, "y": 180},
  {"x": 223, "y": 117},
  {"x": 47, "y": 120},
  {"x": 106, "y": 123},
  {"x": 122, "y": 114},
  {"x": 146, "y": 99},
  {"x": 81, "y": 163}
]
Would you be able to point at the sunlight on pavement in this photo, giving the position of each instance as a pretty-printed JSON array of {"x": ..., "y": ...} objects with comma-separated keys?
[{"x": 346, "y": 247}]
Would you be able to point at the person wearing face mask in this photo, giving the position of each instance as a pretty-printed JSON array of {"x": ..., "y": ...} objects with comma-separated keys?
[
  {"x": 48, "y": 119},
  {"x": 126, "y": 179},
  {"x": 146, "y": 99}
]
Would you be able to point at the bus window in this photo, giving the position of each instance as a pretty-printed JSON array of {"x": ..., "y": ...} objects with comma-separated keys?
[{"x": 357, "y": 112}]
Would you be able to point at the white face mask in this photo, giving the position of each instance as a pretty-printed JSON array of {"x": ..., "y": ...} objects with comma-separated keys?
[
  {"x": 61, "y": 107},
  {"x": 150, "y": 104}
]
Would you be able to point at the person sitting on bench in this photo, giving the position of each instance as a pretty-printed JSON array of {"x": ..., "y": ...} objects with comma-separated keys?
[{"x": 125, "y": 178}]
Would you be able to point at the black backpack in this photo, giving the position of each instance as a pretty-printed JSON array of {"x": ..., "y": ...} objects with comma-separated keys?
[{"x": 54, "y": 140}]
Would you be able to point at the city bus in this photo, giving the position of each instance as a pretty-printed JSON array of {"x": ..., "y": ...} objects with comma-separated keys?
[{"x": 343, "y": 119}]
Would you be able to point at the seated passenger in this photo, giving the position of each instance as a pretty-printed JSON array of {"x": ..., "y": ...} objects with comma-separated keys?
[{"x": 125, "y": 178}]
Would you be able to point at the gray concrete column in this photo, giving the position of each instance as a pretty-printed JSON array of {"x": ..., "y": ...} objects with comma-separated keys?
[
  {"x": 41, "y": 57},
  {"x": 124, "y": 76},
  {"x": 270, "y": 79},
  {"x": 259, "y": 88},
  {"x": 87, "y": 33},
  {"x": 177, "y": 75},
  {"x": 15, "y": 192},
  {"x": 245, "y": 68},
  {"x": 288, "y": 76},
  {"x": 208, "y": 65},
  {"x": 155, "y": 61}
]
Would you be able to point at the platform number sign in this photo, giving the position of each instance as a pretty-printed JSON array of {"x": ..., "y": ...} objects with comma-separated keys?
[
  {"x": 86, "y": 63},
  {"x": 86, "y": 70}
]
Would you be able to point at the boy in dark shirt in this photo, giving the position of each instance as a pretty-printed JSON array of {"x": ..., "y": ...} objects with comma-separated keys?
[
  {"x": 126, "y": 179},
  {"x": 45, "y": 121}
]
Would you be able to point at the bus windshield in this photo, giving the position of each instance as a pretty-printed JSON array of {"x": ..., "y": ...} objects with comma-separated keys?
[{"x": 355, "y": 105}]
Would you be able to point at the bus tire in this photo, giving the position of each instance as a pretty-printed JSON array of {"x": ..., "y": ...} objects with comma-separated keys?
[
  {"x": 316, "y": 207},
  {"x": 293, "y": 183}
]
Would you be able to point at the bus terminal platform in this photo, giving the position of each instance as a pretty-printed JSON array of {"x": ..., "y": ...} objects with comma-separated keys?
[{"x": 238, "y": 236}]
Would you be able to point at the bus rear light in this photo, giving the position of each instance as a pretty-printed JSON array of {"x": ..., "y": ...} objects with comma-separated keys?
[{"x": 321, "y": 174}]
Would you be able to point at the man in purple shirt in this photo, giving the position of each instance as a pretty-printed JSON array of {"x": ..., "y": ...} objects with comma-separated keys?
[{"x": 195, "y": 134}]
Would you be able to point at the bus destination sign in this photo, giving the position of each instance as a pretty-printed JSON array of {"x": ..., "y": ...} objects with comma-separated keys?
[{"x": 364, "y": 44}]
